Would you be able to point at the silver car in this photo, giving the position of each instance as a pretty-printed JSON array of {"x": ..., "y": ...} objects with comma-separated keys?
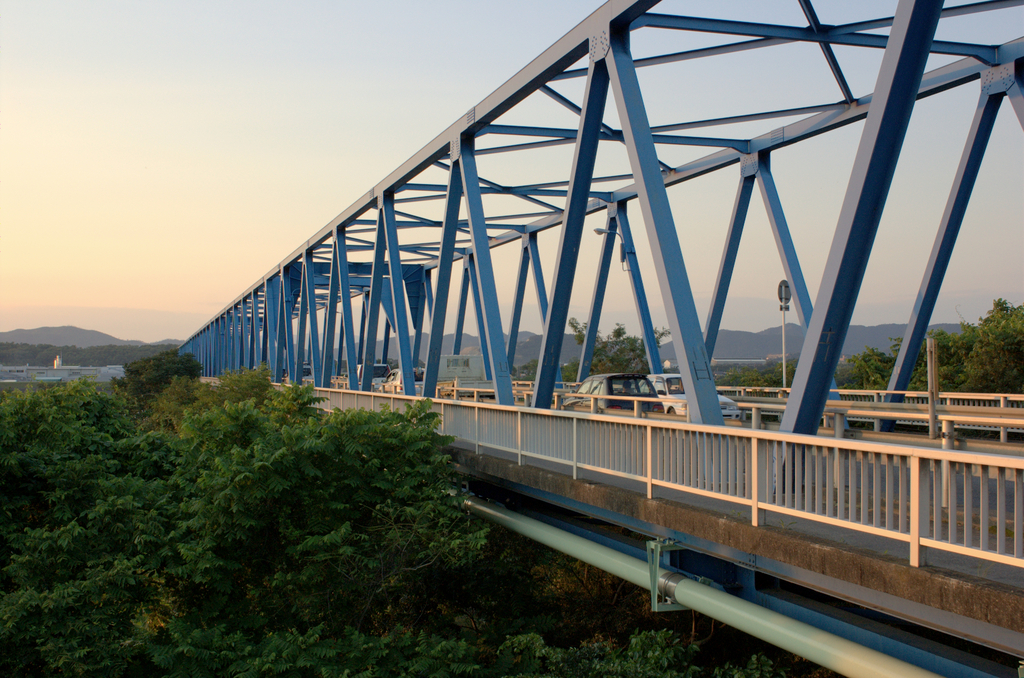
[{"x": 670, "y": 389}]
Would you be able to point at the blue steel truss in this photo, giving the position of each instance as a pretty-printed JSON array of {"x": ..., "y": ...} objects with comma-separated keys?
[{"x": 396, "y": 248}]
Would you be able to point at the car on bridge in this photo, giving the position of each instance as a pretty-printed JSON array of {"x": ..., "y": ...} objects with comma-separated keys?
[
  {"x": 393, "y": 383},
  {"x": 625, "y": 385},
  {"x": 670, "y": 389}
]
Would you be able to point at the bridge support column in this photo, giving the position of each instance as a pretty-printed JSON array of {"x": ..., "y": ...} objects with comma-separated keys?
[
  {"x": 884, "y": 130},
  {"x": 694, "y": 364},
  {"x": 580, "y": 180}
]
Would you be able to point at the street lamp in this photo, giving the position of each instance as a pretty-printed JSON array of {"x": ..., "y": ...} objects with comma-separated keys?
[
  {"x": 784, "y": 297},
  {"x": 622, "y": 245}
]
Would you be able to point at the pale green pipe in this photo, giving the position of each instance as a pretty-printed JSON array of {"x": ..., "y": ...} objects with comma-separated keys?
[{"x": 826, "y": 649}]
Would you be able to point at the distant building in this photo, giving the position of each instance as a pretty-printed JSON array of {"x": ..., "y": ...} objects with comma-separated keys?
[{"x": 59, "y": 372}]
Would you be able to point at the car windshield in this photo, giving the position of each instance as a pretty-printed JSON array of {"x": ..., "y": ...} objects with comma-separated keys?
[
  {"x": 630, "y": 386},
  {"x": 380, "y": 371},
  {"x": 675, "y": 385}
]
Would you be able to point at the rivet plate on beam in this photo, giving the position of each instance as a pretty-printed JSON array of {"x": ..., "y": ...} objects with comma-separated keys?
[{"x": 997, "y": 80}]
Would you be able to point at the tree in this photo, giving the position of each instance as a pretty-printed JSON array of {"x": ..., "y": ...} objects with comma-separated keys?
[
  {"x": 146, "y": 379},
  {"x": 615, "y": 352},
  {"x": 983, "y": 358}
]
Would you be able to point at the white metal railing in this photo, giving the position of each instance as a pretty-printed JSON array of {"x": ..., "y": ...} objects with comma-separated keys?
[{"x": 970, "y": 504}]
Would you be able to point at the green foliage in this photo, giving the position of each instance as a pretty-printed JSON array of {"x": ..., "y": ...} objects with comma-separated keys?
[
  {"x": 184, "y": 394},
  {"x": 267, "y": 538},
  {"x": 615, "y": 352},
  {"x": 146, "y": 379},
  {"x": 39, "y": 355},
  {"x": 260, "y": 536},
  {"x": 983, "y": 358},
  {"x": 85, "y": 509},
  {"x": 650, "y": 654},
  {"x": 769, "y": 376}
]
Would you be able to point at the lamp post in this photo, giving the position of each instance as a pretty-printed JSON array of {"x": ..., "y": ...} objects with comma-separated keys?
[
  {"x": 784, "y": 297},
  {"x": 622, "y": 244}
]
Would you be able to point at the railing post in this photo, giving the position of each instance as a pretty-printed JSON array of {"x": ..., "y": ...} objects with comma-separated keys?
[
  {"x": 918, "y": 513},
  {"x": 638, "y": 410},
  {"x": 758, "y": 475},
  {"x": 519, "y": 435},
  {"x": 593, "y": 405},
  {"x": 878, "y": 421},
  {"x": 1002, "y": 429},
  {"x": 476, "y": 424},
  {"x": 755, "y": 418},
  {"x": 650, "y": 469},
  {"x": 574, "y": 446}
]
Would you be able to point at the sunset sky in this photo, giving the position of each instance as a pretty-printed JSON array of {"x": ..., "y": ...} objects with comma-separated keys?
[{"x": 156, "y": 158}]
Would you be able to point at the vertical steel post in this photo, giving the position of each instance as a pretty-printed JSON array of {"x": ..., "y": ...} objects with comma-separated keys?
[{"x": 899, "y": 78}]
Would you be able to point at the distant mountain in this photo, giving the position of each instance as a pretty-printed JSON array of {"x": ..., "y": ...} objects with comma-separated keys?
[
  {"x": 70, "y": 336},
  {"x": 737, "y": 345}
]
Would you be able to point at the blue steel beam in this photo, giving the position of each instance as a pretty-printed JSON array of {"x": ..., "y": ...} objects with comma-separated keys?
[
  {"x": 400, "y": 323},
  {"x": 362, "y": 325},
  {"x": 538, "y": 277},
  {"x": 495, "y": 349},
  {"x": 517, "y": 300},
  {"x": 942, "y": 250},
  {"x": 826, "y": 50},
  {"x": 373, "y": 304},
  {"x": 643, "y": 311},
  {"x": 289, "y": 295},
  {"x": 422, "y": 286},
  {"x": 445, "y": 258},
  {"x": 348, "y": 334},
  {"x": 881, "y": 141},
  {"x": 246, "y": 359},
  {"x": 460, "y": 317},
  {"x": 783, "y": 239},
  {"x": 694, "y": 364},
  {"x": 728, "y": 263},
  {"x": 581, "y": 175},
  {"x": 330, "y": 358},
  {"x": 275, "y": 344},
  {"x": 316, "y": 348},
  {"x": 604, "y": 263},
  {"x": 478, "y": 311},
  {"x": 985, "y": 53}
]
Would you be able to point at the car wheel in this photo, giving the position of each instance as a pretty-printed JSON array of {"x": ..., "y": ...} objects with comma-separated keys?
[{"x": 671, "y": 410}]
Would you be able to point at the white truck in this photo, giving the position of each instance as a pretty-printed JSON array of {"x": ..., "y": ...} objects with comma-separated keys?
[{"x": 458, "y": 372}]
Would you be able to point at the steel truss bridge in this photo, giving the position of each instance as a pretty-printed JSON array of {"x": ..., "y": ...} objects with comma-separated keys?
[{"x": 389, "y": 258}]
